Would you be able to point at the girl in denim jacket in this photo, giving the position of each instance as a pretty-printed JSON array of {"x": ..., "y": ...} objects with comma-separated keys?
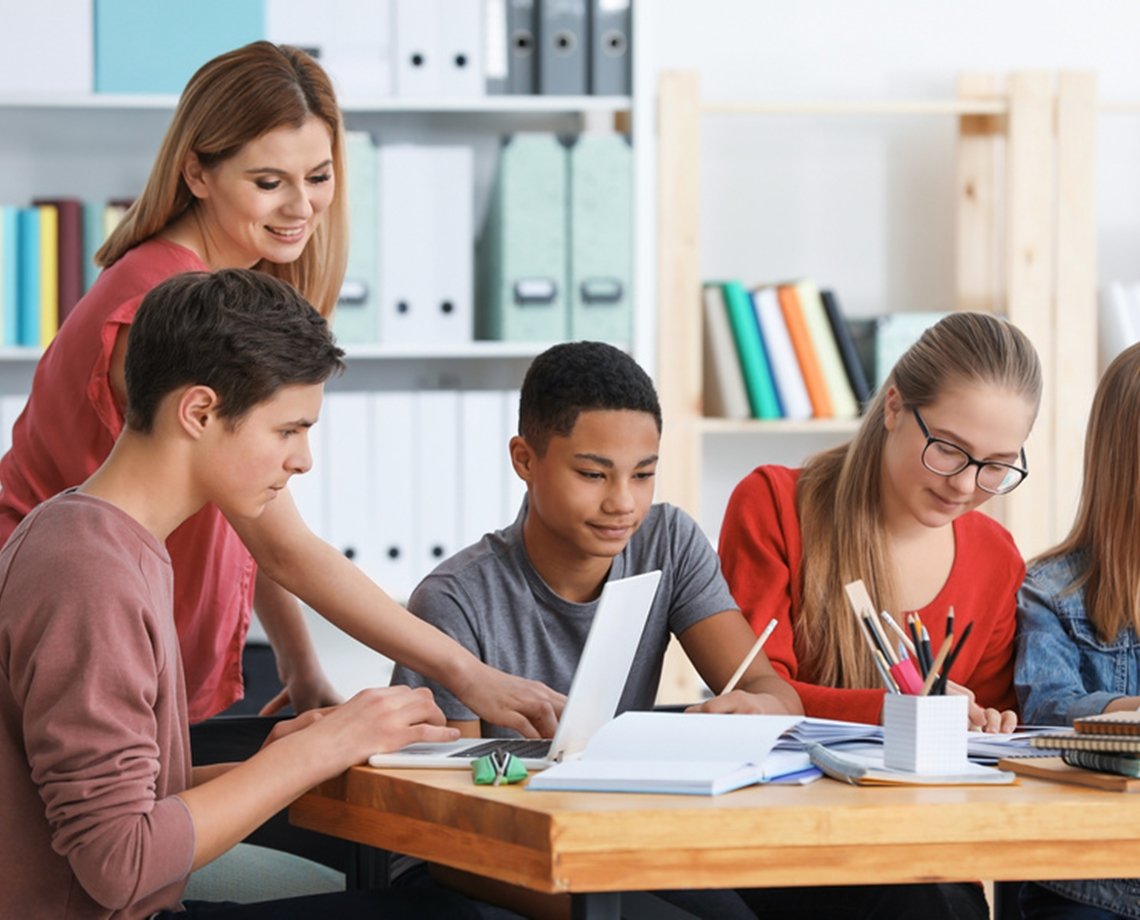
[{"x": 1078, "y": 651}]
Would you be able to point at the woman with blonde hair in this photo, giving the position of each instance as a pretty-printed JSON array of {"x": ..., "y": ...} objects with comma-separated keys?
[
  {"x": 250, "y": 175},
  {"x": 1078, "y": 640},
  {"x": 895, "y": 507}
]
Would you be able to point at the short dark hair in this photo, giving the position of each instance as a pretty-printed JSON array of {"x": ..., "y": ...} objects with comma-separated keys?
[
  {"x": 240, "y": 332},
  {"x": 575, "y": 377}
]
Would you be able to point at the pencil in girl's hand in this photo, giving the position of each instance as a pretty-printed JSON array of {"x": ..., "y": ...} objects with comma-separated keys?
[{"x": 750, "y": 657}]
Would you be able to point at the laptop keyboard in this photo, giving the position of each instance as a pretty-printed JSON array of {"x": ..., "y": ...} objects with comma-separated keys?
[{"x": 520, "y": 747}]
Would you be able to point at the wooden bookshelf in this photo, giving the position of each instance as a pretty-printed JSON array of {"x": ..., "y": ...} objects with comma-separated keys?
[{"x": 1025, "y": 247}]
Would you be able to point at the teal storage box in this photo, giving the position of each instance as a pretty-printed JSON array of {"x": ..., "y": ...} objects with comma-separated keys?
[
  {"x": 155, "y": 46},
  {"x": 601, "y": 239},
  {"x": 522, "y": 253}
]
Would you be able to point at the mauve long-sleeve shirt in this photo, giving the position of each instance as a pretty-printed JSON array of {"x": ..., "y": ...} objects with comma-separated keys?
[{"x": 94, "y": 741}]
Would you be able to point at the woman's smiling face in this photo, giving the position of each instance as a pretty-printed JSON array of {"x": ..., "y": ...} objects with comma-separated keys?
[{"x": 266, "y": 200}]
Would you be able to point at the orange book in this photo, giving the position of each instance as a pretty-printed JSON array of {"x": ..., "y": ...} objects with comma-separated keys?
[{"x": 805, "y": 351}]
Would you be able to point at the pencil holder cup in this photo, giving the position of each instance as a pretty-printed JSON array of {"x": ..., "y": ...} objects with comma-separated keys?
[{"x": 924, "y": 734}]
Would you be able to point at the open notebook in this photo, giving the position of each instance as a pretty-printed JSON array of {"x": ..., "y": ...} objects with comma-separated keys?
[{"x": 594, "y": 693}]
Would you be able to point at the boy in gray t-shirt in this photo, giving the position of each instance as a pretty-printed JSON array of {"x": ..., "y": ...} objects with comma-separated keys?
[{"x": 522, "y": 599}]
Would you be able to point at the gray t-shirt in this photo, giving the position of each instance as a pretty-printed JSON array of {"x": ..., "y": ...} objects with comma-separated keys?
[{"x": 490, "y": 599}]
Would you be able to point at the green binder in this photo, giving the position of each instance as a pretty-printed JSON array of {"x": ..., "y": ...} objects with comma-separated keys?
[
  {"x": 357, "y": 319},
  {"x": 601, "y": 238},
  {"x": 522, "y": 251}
]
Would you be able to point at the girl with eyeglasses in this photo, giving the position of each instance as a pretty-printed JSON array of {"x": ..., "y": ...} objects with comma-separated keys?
[
  {"x": 896, "y": 507},
  {"x": 1078, "y": 641}
]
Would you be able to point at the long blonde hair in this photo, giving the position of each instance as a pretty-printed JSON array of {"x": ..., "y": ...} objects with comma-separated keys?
[
  {"x": 838, "y": 497},
  {"x": 234, "y": 99},
  {"x": 1105, "y": 525}
]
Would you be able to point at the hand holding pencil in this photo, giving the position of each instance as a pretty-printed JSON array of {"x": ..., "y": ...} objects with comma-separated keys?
[{"x": 760, "y": 696}]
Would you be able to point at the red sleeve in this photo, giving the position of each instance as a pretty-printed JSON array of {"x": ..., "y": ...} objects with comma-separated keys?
[{"x": 760, "y": 554}]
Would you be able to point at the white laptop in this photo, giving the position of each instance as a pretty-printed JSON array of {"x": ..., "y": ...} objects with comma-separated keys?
[{"x": 594, "y": 693}]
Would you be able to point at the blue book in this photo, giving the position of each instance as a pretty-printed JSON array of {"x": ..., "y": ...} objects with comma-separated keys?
[
  {"x": 29, "y": 278},
  {"x": 9, "y": 275},
  {"x": 94, "y": 235}
]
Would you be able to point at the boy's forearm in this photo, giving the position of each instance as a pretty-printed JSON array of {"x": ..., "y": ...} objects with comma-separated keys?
[
  {"x": 777, "y": 688},
  {"x": 228, "y": 801}
]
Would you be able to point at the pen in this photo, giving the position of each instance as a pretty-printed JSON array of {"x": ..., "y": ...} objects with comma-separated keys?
[
  {"x": 932, "y": 674},
  {"x": 752, "y": 653},
  {"x": 950, "y": 621}
]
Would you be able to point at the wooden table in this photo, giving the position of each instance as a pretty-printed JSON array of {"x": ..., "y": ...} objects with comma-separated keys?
[{"x": 596, "y": 845}]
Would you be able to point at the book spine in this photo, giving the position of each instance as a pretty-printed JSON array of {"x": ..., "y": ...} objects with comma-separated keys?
[
  {"x": 847, "y": 351},
  {"x": 789, "y": 381},
  {"x": 827, "y": 351},
  {"x": 750, "y": 349},
  {"x": 49, "y": 274},
  {"x": 725, "y": 395},
  {"x": 805, "y": 352},
  {"x": 29, "y": 277}
]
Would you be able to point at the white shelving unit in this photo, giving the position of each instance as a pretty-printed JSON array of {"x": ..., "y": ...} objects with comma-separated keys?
[{"x": 100, "y": 146}]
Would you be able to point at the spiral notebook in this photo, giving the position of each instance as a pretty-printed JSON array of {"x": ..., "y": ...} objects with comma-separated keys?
[
  {"x": 1109, "y": 723},
  {"x": 1087, "y": 741}
]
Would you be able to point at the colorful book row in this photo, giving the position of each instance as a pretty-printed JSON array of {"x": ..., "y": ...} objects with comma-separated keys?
[
  {"x": 779, "y": 351},
  {"x": 47, "y": 263}
]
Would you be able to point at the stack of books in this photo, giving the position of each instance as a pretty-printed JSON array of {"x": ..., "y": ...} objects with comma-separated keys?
[
  {"x": 780, "y": 351},
  {"x": 47, "y": 263},
  {"x": 1107, "y": 743}
]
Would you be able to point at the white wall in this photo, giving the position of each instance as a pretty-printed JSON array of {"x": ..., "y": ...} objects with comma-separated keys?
[{"x": 866, "y": 204}]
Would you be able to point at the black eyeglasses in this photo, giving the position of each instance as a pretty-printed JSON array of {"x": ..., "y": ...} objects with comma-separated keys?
[{"x": 948, "y": 459}]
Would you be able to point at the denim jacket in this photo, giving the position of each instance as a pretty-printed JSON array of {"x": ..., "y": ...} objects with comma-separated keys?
[{"x": 1063, "y": 672}]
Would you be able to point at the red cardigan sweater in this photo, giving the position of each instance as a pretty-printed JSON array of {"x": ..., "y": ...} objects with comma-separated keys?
[{"x": 761, "y": 552}]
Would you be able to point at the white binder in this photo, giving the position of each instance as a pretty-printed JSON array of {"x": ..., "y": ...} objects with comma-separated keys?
[
  {"x": 461, "y": 47},
  {"x": 48, "y": 48},
  {"x": 392, "y": 508},
  {"x": 418, "y": 48},
  {"x": 352, "y": 40},
  {"x": 483, "y": 464},
  {"x": 426, "y": 244},
  {"x": 308, "y": 489},
  {"x": 350, "y": 477},
  {"x": 436, "y": 451},
  {"x": 357, "y": 318}
]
